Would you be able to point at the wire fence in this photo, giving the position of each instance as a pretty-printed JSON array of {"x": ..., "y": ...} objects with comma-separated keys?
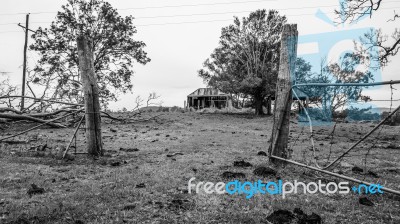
[{"x": 369, "y": 150}]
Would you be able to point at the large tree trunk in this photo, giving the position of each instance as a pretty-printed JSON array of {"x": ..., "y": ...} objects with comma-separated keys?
[
  {"x": 91, "y": 93},
  {"x": 258, "y": 104}
]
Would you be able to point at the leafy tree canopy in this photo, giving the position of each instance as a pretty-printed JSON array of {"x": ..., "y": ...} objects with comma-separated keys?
[
  {"x": 247, "y": 58},
  {"x": 112, "y": 40},
  {"x": 332, "y": 98}
]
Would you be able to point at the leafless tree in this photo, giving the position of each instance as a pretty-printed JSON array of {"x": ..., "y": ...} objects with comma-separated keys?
[
  {"x": 387, "y": 45},
  {"x": 150, "y": 100},
  {"x": 6, "y": 89},
  {"x": 140, "y": 102}
]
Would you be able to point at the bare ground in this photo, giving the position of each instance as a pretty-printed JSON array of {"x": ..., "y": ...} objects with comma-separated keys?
[{"x": 143, "y": 177}]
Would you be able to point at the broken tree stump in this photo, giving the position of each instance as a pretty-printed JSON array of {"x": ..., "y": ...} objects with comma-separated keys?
[
  {"x": 91, "y": 94},
  {"x": 283, "y": 95}
]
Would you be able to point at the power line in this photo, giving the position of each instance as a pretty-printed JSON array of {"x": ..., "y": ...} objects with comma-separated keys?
[
  {"x": 159, "y": 7},
  {"x": 179, "y": 6},
  {"x": 11, "y": 31},
  {"x": 202, "y": 21},
  {"x": 220, "y": 13},
  {"x": 205, "y": 21},
  {"x": 217, "y": 13},
  {"x": 204, "y": 4},
  {"x": 188, "y": 22},
  {"x": 195, "y": 14},
  {"x": 1, "y": 24}
]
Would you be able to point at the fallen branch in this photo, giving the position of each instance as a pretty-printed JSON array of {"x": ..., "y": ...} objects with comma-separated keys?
[
  {"x": 145, "y": 119},
  {"x": 39, "y": 100},
  {"x": 9, "y": 109},
  {"x": 131, "y": 120},
  {"x": 29, "y": 118},
  {"x": 127, "y": 120},
  {"x": 12, "y": 136},
  {"x": 107, "y": 115},
  {"x": 53, "y": 113}
]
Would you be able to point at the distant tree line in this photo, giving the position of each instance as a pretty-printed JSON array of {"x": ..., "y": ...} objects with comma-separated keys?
[{"x": 246, "y": 62}]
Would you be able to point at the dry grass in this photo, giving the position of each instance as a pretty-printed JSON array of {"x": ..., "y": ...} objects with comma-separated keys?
[{"x": 148, "y": 186}]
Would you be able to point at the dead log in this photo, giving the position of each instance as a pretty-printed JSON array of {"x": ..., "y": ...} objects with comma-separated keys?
[
  {"x": 107, "y": 115},
  {"x": 52, "y": 113},
  {"x": 9, "y": 109},
  {"x": 40, "y": 99},
  {"x": 29, "y": 118},
  {"x": 40, "y": 125}
]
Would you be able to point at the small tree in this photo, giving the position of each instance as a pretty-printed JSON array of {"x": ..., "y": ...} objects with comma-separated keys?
[
  {"x": 113, "y": 44},
  {"x": 150, "y": 101},
  {"x": 332, "y": 98},
  {"x": 6, "y": 89},
  {"x": 247, "y": 59}
]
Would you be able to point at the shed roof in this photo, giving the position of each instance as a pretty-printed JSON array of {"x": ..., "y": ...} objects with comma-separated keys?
[{"x": 208, "y": 92}]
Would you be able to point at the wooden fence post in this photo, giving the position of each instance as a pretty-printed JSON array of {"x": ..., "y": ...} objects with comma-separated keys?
[
  {"x": 91, "y": 94},
  {"x": 283, "y": 95}
]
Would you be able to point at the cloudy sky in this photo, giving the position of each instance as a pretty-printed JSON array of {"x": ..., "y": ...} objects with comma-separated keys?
[{"x": 181, "y": 34}]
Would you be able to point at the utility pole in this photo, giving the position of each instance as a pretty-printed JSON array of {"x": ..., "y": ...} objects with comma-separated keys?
[
  {"x": 283, "y": 94},
  {"x": 24, "y": 65}
]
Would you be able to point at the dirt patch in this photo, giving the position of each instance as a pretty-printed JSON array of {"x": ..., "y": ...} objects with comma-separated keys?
[
  {"x": 281, "y": 217},
  {"x": 264, "y": 171},
  {"x": 35, "y": 190},
  {"x": 242, "y": 163}
]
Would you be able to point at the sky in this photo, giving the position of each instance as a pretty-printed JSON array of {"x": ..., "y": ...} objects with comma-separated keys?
[{"x": 181, "y": 34}]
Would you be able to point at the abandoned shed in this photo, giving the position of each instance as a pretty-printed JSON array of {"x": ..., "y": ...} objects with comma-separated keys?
[{"x": 208, "y": 97}]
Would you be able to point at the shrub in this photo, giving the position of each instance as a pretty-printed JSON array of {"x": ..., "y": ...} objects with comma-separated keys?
[
  {"x": 394, "y": 120},
  {"x": 362, "y": 114},
  {"x": 315, "y": 114}
]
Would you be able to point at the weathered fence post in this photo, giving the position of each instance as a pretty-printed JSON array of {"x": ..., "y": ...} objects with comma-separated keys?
[
  {"x": 91, "y": 94},
  {"x": 283, "y": 95}
]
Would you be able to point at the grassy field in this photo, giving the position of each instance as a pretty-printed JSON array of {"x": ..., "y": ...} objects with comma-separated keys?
[{"x": 143, "y": 177}]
